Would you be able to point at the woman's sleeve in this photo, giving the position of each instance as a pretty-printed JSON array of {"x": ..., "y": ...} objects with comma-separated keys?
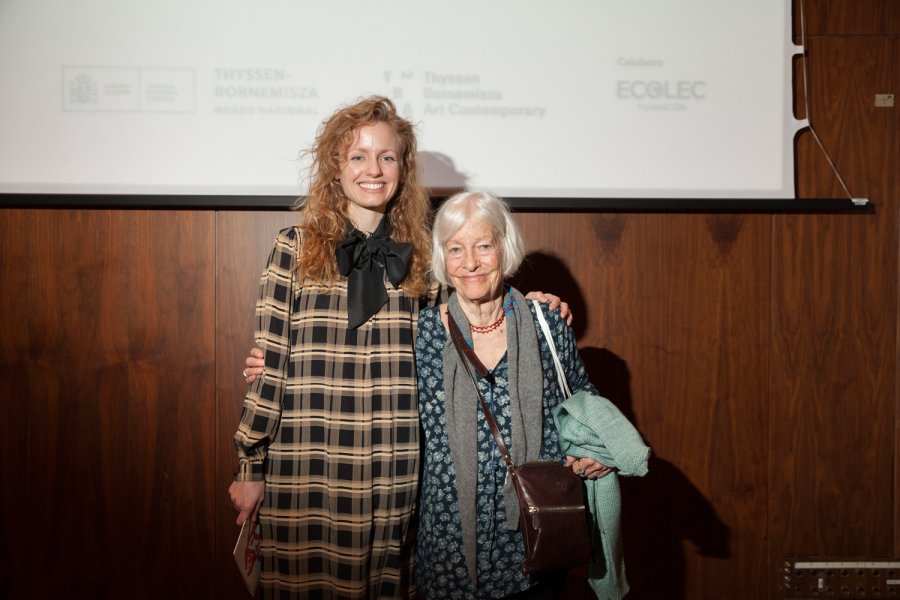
[
  {"x": 567, "y": 349},
  {"x": 261, "y": 412}
]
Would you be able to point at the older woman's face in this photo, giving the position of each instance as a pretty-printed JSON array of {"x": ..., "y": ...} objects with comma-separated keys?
[{"x": 472, "y": 258}]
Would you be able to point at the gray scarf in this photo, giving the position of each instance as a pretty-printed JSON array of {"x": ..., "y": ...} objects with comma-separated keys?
[{"x": 461, "y": 406}]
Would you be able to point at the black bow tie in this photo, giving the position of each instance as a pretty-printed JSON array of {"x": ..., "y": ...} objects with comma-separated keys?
[{"x": 364, "y": 261}]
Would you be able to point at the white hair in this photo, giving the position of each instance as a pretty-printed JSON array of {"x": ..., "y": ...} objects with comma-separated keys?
[{"x": 463, "y": 207}]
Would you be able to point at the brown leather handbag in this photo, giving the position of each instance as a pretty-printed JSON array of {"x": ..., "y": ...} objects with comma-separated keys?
[{"x": 552, "y": 514}]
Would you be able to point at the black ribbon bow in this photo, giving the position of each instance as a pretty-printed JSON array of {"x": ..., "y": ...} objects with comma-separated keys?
[{"x": 363, "y": 260}]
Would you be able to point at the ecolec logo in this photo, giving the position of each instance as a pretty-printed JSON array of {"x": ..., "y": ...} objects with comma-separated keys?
[
  {"x": 653, "y": 89},
  {"x": 647, "y": 87}
]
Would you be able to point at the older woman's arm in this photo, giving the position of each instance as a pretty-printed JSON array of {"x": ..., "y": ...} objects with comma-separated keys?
[
  {"x": 576, "y": 375},
  {"x": 567, "y": 349}
]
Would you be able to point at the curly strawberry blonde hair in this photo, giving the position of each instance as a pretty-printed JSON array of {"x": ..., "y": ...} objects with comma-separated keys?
[{"x": 325, "y": 218}]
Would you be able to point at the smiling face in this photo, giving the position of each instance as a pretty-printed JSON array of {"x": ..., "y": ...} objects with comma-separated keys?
[
  {"x": 472, "y": 258},
  {"x": 370, "y": 173}
]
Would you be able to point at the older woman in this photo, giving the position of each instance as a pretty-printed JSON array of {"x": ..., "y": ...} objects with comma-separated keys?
[{"x": 468, "y": 546}]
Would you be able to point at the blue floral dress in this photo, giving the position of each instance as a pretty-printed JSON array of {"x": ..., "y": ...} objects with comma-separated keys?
[{"x": 441, "y": 570}]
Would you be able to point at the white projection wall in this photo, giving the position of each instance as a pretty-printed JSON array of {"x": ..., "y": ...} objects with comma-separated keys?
[{"x": 531, "y": 99}]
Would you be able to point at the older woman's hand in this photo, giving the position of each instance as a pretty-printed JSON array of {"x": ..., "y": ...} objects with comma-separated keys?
[
  {"x": 588, "y": 468},
  {"x": 255, "y": 363},
  {"x": 554, "y": 301}
]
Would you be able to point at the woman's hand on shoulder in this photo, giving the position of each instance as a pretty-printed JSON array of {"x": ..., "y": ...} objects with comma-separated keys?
[
  {"x": 554, "y": 302},
  {"x": 587, "y": 468},
  {"x": 255, "y": 362}
]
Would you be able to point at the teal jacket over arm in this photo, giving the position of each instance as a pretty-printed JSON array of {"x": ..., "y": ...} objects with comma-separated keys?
[{"x": 591, "y": 426}]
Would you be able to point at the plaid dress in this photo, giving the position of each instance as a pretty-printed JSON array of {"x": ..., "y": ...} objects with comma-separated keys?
[{"x": 333, "y": 429}]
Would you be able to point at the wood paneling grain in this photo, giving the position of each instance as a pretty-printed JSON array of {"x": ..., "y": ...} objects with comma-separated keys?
[
  {"x": 833, "y": 387},
  {"x": 119, "y": 395},
  {"x": 834, "y": 320},
  {"x": 862, "y": 140},
  {"x": 675, "y": 334},
  {"x": 847, "y": 17},
  {"x": 171, "y": 389},
  {"x": 14, "y": 308}
]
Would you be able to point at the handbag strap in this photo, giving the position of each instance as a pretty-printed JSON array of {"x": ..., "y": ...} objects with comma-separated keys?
[
  {"x": 560, "y": 373},
  {"x": 467, "y": 355}
]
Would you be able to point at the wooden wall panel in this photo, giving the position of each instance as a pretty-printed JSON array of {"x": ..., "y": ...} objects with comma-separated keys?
[
  {"x": 14, "y": 308},
  {"x": 834, "y": 320},
  {"x": 862, "y": 140},
  {"x": 119, "y": 394},
  {"x": 171, "y": 391},
  {"x": 77, "y": 374},
  {"x": 835, "y": 307},
  {"x": 833, "y": 388},
  {"x": 847, "y": 17},
  {"x": 676, "y": 334}
]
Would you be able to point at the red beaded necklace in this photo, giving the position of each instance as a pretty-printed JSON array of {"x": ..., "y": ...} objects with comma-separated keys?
[{"x": 488, "y": 328}]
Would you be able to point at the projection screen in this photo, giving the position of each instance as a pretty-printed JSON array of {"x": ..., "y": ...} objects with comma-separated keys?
[{"x": 531, "y": 99}]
